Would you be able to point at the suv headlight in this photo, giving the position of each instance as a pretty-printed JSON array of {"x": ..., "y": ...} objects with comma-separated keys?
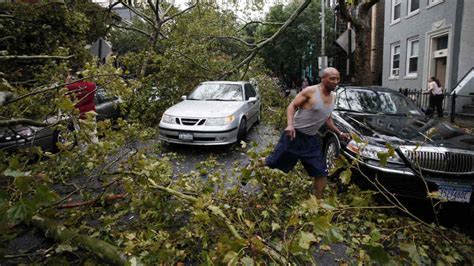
[
  {"x": 220, "y": 121},
  {"x": 371, "y": 151},
  {"x": 168, "y": 119},
  {"x": 26, "y": 132}
]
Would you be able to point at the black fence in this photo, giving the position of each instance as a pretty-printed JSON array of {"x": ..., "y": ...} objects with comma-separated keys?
[{"x": 450, "y": 100}]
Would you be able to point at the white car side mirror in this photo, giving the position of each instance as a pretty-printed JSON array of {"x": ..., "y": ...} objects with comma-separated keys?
[
  {"x": 184, "y": 97},
  {"x": 252, "y": 99}
]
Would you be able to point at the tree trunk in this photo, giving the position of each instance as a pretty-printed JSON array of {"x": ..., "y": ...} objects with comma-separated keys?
[
  {"x": 357, "y": 12},
  {"x": 362, "y": 58}
]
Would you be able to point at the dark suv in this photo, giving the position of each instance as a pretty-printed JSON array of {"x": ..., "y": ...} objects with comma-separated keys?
[{"x": 423, "y": 149}]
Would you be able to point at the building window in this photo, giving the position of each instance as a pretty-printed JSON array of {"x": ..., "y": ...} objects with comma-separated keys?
[
  {"x": 442, "y": 43},
  {"x": 413, "y": 6},
  {"x": 395, "y": 60},
  {"x": 412, "y": 57},
  {"x": 396, "y": 9}
]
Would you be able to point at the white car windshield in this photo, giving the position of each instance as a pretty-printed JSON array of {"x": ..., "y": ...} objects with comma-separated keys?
[{"x": 217, "y": 92}]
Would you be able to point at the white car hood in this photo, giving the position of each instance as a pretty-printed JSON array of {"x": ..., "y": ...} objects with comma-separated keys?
[{"x": 201, "y": 109}]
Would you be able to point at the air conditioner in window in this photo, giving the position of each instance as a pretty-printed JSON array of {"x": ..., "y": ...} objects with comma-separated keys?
[{"x": 395, "y": 72}]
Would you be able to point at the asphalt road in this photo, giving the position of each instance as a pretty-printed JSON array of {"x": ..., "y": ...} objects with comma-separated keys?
[{"x": 229, "y": 156}]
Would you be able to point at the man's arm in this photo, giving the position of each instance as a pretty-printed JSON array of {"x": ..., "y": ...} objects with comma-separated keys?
[
  {"x": 298, "y": 101},
  {"x": 330, "y": 124}
]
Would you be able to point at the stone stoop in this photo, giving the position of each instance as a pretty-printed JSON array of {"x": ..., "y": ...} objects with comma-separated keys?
[{"x": 468, "y": 109}]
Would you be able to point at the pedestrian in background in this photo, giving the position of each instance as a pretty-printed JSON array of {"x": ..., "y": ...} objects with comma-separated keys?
[
  {"x": 305, "y": 83},
  {"x": 300, "y": 139},
  {"x": 436, "y": 96},
  {"x": 83, "y": 93}
]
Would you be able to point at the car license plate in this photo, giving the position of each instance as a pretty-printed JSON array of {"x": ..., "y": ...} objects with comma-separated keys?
[
  {"x": 185, "y": 136},
  {"x": 458, "y": 194}
]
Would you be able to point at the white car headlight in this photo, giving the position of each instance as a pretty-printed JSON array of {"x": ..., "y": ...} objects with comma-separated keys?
[
  {"x": 220, "y": 121},
  {"x": 372, "y": 151},
  {"x": 168, "y": 119}
]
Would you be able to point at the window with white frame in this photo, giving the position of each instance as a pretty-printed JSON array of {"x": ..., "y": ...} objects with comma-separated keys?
[
  {"x": 412, "y": 57},
  {"x": 395, "y": 60},
  {"x": 396, "y": 10},
  {"x": 413, "y": 6}
]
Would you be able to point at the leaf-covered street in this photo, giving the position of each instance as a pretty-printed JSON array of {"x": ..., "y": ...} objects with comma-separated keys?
[{"x": 87, "y": 179}]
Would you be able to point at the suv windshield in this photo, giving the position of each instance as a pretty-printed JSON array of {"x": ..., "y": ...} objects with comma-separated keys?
[
  {"x": 368, "y": 101},
  {"x": 217, "y": 92}
]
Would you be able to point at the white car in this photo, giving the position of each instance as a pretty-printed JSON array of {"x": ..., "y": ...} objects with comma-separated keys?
[{"x": 214, "y": 113}]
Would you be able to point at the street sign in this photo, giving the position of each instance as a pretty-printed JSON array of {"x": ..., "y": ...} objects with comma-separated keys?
[
  {"x": 322, "y": 62},
  {"x": 343, "y": 41},
  {"x": 101, "y": 48}
]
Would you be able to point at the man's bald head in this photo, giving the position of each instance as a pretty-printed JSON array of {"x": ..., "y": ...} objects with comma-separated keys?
[
  {"x": 329, "y": 71},
  {"x": 330, "y": 78}
]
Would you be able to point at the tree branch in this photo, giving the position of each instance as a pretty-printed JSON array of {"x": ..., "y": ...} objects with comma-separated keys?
[
  {"x": 361, "y": 10},
  {"x": 133, "y": 29},
  {"x": 6, "y": 16},
  {"x": 33, "y": 57},
  {"x": 215, "y": 210},
  {"x": 98, "y": 247},
  {"x": 167, "y": 11},
  {"x": 190, "y": 59},
  {"x": 22, "y": 121},
  {"x": 259, "y": 22},
  {"x": 262, "y": 44},
  {"x": 180, "y": 13},
  {"x": 107, "y": 198},
  {"x": 7, "y": 38},
  {"x": 54, "y": 87},
  {"x": 138, "y": 13},
  {"x": 153, "y": 7},
  {"x": 236, "y": 39}
]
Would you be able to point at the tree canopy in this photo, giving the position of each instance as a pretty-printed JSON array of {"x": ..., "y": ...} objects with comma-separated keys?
[{"x": 300, "y": 45}]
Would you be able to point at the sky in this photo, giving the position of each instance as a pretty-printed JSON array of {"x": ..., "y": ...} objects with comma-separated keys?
[{"x": 240, "y": 8}]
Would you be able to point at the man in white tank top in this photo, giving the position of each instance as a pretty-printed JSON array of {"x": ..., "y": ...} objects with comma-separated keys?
[{"x": 300, "y": 140}]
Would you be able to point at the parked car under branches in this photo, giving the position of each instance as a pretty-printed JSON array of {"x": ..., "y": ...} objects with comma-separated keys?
[
  {"x": 14, "y": 138},
  {"x": 214, "y": 113},
  {"x": 399, "y": 147}
]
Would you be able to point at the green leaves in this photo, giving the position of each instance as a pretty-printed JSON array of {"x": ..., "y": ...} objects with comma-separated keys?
[
  {"x": 322, "y": 223},
  {"x": 345, "y": 176},
  {"x": 16, "y": 173},
  {"x": 412, "y": 251},
  {"x": 306, "y": 238},
  {"x": 44, "y": 195},
  {"x": 231, "y": 258},
  {"x": 24, "y": 208},
  {"x": 20, "y": 211},
  {"x": 377, "y": 254},
  {"x": 384, "y": 156}
]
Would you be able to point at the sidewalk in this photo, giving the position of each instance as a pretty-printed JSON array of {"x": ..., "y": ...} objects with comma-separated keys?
[{"x": 467, "y": 123}]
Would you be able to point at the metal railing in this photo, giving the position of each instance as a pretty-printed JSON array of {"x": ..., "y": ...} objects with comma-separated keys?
[{"x": 422, "y": 100}]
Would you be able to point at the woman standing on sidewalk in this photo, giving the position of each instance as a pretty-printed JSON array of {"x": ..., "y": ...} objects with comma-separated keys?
[{"x": 436, "y": 95}]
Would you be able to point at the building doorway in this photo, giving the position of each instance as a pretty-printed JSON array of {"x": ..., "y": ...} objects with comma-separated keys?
[
  {"x": 440, "y": 70},
  {"x": 440, "y": 56}
]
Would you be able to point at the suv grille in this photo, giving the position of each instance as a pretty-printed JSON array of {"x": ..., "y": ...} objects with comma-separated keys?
[{"x": 439, "y": 161}]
